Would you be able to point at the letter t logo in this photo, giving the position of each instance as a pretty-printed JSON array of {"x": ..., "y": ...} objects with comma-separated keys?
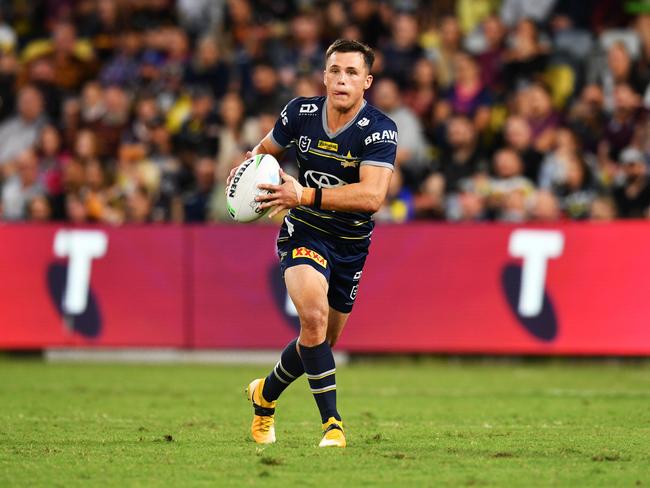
[
  {"x": 535, "y": 247},
  {"x": 81, "y": 246}
]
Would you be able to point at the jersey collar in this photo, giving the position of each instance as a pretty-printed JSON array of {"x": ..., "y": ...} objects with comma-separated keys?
[{"x": 332, "y": 135}]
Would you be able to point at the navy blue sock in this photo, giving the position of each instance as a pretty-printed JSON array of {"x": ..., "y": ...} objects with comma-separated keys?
[
  {"x": 288, "y": 369},
  {"x": 320, "y": 370}
]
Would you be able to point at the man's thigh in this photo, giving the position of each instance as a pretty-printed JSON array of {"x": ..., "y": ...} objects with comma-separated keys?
[{"x": 347, "y": 266}]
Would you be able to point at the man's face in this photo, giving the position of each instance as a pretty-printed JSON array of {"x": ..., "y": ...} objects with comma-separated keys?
[{"x": 346, "y": 78}]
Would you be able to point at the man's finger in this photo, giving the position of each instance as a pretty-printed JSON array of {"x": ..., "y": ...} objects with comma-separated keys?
[
  {"x": 271, "y": 203},
  {"x": 268, "y": 186},
  {"x": 263, "y": 197}
]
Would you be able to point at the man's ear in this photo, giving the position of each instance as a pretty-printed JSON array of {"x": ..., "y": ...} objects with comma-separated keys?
[{"x": 368, "y": 82}]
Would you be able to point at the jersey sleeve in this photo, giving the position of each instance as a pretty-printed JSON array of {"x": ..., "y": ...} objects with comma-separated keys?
[
  {"x": 285, "y": 129},
  {"x": 380, "y": 145}
]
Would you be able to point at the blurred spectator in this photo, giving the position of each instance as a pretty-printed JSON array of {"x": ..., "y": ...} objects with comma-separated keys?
[
  {"x": 402, "y": 50},
  {"x": 39, "y": 209},
  {"x": 542, "y": 117},
  {"x": 421, "y": 94},
  {"x": 619, "y": 69},
  {"x": 513, "y": 11},
  {"x": 412, "y": 154},
  {"x": 518, "y": 136},
  {"x": 138, "y": 206},
  {"x": 42, "y": 75},
  {"x": 577, "y": 191},
  {"x": 510, "y": 193},
  {"x": 448, "y": 44},
  {"x": 21, "y": 187},
  {"x": 8, "y": 72},
  {"x": 123, "y": 68},
  {"x": 468, "y": 95},
  {"x": 545, "y": 207},
  {"x": 51, "y": 160},
  {"x": 526, "y": 57},
  {"x": 633, "y": 195},
  {"x": 491, "y": 57},
  {"x": 112, "y": 122},
  {"x": 197, "y": 200},
  {"x": 555, "y": 166},
  {"x": 237, "y": 134},
  {"x": 367, "y": 16},
  {"x": 266, "y": 94},
  {"x": 462, "y": 157},
  {"x": 621, "y": 125},
  {"x": 199, "y": 134},
  {"x": 587, "y": 117},
  {"x": 72, "y": 60},
  {"x": 603, "y": 209},
  {"x": 304, "y": 53},
  {"x": 208, "y": 68},
  {"x": 21, "y": 131},
  {"x": 199, "y": 16}
]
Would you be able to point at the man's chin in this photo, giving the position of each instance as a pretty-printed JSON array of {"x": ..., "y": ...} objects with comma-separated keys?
[{"x": 341, "y": 105}]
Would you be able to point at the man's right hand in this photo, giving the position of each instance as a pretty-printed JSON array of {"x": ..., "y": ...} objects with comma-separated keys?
[{"x": 249, "y": 155}]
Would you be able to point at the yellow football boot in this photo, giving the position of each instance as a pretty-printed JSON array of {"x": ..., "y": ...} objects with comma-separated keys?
[
  {"x": 262, "y": 428},
  {"x": 333, "y": 435}
]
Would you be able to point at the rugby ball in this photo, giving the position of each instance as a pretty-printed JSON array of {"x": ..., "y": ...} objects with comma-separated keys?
[{"x": 242, "y": 190}]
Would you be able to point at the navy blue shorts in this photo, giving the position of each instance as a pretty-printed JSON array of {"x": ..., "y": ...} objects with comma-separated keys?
[{"x": 340, "y": 262}]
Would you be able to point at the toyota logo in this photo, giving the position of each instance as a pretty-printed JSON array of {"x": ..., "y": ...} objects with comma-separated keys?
[{"x": 316, "y": 179}]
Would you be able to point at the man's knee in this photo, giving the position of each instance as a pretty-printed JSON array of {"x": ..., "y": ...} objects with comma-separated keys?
[
  {"x": 314, "y": 319},
  {"x": 313, "y": 326}
]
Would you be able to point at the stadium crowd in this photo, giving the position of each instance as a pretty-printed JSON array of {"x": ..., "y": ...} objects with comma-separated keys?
[{"x": 133, "y": 111}]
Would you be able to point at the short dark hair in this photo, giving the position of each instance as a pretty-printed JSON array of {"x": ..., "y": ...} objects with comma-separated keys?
[{"x": 350, "y": 46}]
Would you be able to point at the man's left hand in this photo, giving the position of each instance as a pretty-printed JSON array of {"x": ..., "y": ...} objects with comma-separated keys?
[{"x": 282, "y": 197}]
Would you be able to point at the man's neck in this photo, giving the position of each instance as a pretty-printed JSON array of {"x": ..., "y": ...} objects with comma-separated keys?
[{"x": 337, "y": 119}]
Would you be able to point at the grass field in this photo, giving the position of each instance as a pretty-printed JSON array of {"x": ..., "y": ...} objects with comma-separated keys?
[{"x": 430, "y": 423}]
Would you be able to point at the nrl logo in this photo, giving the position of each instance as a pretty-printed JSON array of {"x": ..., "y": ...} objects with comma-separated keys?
[
  {"x": 363, "y": 122},
  {"x": 303, "y": 143}
]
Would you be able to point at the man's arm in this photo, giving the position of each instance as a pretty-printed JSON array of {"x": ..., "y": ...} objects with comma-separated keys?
[
  {"x": 365, "y": 196},
  {"x": 267, "y": 146}
]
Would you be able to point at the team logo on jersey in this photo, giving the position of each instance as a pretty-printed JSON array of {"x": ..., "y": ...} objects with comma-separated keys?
[
  {"x": 350, "y": 163},
  {"x": 303, "y": 252},
  {"x": 316, "y": 179},
  {"x": 303, "y": 143},
  {"x": 328, "y": 146},
  {"x": 363, "y": 122},
  {"x": 308, "y": 108},
  {"x": 389, "y": 136}
]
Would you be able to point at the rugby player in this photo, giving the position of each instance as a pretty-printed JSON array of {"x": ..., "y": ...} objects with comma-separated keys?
[{"x": 346, "y": 152}]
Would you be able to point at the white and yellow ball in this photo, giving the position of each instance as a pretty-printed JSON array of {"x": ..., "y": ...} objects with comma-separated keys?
[{"x": 242, "y": 190}]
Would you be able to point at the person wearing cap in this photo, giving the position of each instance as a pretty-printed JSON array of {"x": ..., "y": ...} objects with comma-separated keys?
[{"x": 633, "y": 196}]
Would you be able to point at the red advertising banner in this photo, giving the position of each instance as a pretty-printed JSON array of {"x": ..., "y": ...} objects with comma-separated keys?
[
  {"x": 92, "y": 287},
  {"x": 578, "y": 288}
]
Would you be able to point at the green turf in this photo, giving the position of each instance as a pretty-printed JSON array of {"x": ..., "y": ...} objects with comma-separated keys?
[{"x": 435, "y": 423}]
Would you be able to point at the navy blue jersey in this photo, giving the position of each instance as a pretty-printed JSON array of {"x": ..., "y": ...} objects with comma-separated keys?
[{"x": 331, "y": 159}]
